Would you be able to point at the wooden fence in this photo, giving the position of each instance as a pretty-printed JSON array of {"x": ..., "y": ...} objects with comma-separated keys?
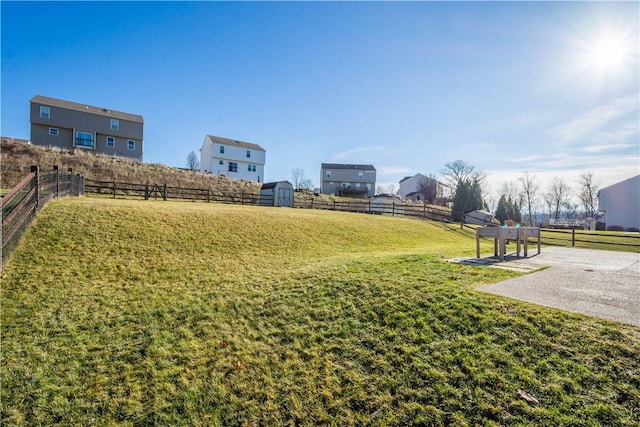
[
  {"x": 164, "y": 192},
  {"x": 21, "y": 204}
]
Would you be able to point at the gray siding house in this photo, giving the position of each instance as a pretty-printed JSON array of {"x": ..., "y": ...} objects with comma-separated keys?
[
  {"x": 348, "y": 180},
  {"x": 620, "y": 204},
  {"x": 70, "y": 125}
]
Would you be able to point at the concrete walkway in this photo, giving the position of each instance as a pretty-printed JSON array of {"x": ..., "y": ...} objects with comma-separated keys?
[{"x": 598, "y": 283}]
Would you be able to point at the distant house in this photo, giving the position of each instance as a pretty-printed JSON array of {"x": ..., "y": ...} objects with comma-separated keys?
[
  {"x": 348, "y": 180},
  {"x": 235, "y": 159},
  {"x": 479, "y": 217},
  {"x": 70, "y": 125},
  {"x": 620, "y": 204},
  {"x": 410, "y": 187},
  {"x": 277, "y": 194}
]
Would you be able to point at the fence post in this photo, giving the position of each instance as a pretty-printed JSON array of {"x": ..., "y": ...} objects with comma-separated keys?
[
  {"x": 36, "y": 171},
  {"x": 208, "y": 194},
  {"x": 573, "y": 237},
  {"x": 424, "y": 211},
  {"x": 312, "y": 203},
  {"x": 393, "y": 208},
  {"x": 146, "y": 190},
  {"x": 114, "y": 188},
  {"x": 242, "y": 198},
  {"x": 164, "y": 192},
  {"x": 55, "y": 168}
]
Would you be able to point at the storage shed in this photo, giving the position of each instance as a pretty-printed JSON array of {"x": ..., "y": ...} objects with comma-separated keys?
[{"x": 278, "y": 193}]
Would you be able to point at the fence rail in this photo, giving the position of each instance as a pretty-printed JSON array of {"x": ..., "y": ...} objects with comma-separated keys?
[
  {"x": 21, "y": 204},
  {"x": 163, "y": 192},
  {"x": 552, "y": 237}
]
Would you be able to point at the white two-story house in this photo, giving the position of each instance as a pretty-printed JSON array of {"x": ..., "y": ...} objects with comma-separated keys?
[{"x": 231, "y": 158}]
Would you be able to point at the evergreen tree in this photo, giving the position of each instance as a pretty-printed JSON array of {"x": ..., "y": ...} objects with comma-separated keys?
[{"x": 501, "y": 210}]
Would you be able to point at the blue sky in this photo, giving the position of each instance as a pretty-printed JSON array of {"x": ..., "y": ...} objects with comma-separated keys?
[{"x": 551, "y": 88}]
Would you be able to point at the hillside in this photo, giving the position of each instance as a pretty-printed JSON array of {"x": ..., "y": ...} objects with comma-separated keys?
[
  {"x": 16, "y": 159},
  {"x": 120, "y": 312}
]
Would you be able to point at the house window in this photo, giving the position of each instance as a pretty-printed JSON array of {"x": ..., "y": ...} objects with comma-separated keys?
[
  {"x": 251, "y": 168},
  {"x": 328, "y": 174},
  {"x": 54, "y": 131},
  {"x": 331, "y": 184},
  {"x": 357, "y": 185},
  {"x": 221, "y": 162},
  {"x": 248, "y": 153},
  {"x": 45, "y": 112},
  {"x": 111, "y": 141},
  {"x": 254, "y": 168},
  {"x": 131, "y": 144},
  {"x": 233, "y": 167},
  {"x": 346, "y": 185},
  {"x": 222, "y": 149},
  {"x": 360, "y": 175},
  {"x": 115, "y": 124},
  {"x": 84, "y": 139}
]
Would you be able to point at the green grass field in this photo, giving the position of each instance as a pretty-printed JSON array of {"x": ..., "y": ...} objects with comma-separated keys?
[{"x": 118, "y": 312}]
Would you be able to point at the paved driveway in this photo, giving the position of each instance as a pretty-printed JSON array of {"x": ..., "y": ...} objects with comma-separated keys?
[{"x": 605, "y": 284}]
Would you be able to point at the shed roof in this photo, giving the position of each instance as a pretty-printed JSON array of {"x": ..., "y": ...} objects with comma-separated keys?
[
  {"x": 233, "y": 142},
  {"x": 268, "y": 185},
  {"x": 347, "y": 166},
  {"x": 69, "y": 105}
]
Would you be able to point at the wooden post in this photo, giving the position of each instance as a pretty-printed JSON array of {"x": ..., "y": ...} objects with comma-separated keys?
[
  {"x": 146, "y": 190},
  {"x": 114, "y": 188},
  {"x": 573, "y": 237},
  {"x": 393, "y": 208},
  {"x": 312, "y": 203},
  {"x": 208, "y": 194},
  {"x": 477, "y": 243},
  {"x": 164, "y": 192},
  {"x": 55, "y": 168},
  {"x": 242, "y": 198},
  {"x": 36, "y": 171}
]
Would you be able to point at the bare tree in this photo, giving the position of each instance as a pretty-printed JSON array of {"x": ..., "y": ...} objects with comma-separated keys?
[
  {"x": 466, "y": 183},
  {"x": 428, "y": 188},
  {"x": 529, "y": 190},
  {"x": 589, "y": 193},
  {"x": 298, "y": 176},
  {"x": 306, "y": 184},
  {"x": 192, "y": 161},
  {"x": 557, "y": 197}
]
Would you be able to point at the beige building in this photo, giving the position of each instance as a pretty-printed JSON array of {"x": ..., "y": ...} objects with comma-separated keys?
[
  {"x": 70, "y": 125},
  {"x": 348, "y": 180}
]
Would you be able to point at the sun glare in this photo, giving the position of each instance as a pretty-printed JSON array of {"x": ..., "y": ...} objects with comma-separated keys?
[{"x": 608, "y": 54}]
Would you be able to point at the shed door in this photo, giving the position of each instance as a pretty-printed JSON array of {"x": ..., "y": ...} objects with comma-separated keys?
[{"x": 284, "y": 197}]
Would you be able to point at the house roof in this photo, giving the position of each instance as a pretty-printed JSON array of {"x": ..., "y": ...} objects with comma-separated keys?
[
  {"x": 347, "y": 166},
  {"x": 68, "y": 105},
  {"x": 409, "y": 177},
  {"x": 235, "y": 143}
]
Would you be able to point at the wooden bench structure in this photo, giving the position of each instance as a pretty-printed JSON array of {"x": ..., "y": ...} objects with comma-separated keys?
[{"x": 501, "y": 235}]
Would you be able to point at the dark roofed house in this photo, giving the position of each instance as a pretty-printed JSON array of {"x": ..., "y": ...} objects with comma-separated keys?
[
  {"x": 70, "y": 125},
  {"x": 232, "y": 158},
  {"x": 349, "y": 180}
]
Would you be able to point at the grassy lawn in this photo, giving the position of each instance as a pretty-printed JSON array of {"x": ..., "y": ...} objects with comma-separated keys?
[{"x": 160, "y": 313}]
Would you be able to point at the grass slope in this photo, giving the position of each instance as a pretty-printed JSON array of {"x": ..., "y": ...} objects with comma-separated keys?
[{"x": 157, "y": 313}]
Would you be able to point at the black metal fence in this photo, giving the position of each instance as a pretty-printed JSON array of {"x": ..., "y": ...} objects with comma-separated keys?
[{"x": 22, "y": 203}]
